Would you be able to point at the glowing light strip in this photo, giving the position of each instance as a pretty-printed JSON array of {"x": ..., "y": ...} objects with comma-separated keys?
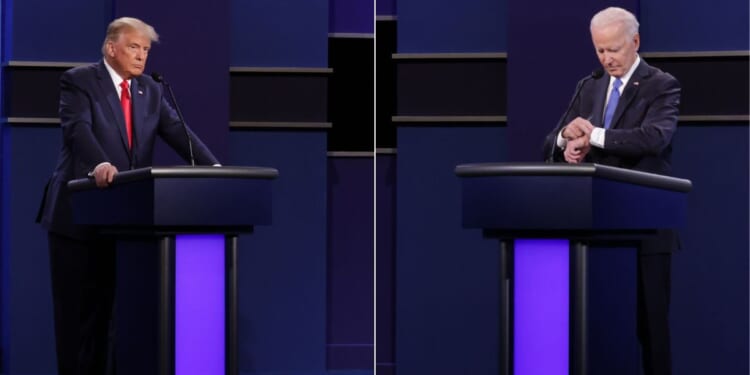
[
  {"x": 199, "y": 305},
  {"x": 541, "y": 300}
]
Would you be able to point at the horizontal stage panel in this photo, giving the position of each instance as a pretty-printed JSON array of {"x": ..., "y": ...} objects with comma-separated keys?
[
  {"x": 711, "y": 85},
  {"x": 278, "y": 96},
  {"x": 32, "y": 91},
  {"x": 451, "y": 87}
]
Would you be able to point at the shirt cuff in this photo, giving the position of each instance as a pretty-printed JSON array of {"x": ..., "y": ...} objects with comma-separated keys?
[
  {"x": 561, "y": 142},
  {"x": 597, "y": 137}
]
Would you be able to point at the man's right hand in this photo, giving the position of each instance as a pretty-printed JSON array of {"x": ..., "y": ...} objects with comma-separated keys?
[
  {"x": 103, "y": 174},
  {"x": 577, "y": 128}
]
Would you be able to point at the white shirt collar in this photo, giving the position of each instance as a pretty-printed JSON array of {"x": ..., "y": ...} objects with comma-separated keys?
[
  {"x": 626, "y": 77},
  {"x": 116, "y": 79}
]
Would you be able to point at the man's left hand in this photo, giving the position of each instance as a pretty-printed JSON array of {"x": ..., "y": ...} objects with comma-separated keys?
[{"x": 576, "y": 150}]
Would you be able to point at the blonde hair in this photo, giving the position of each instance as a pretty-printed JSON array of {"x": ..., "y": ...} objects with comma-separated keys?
[{"x": 123, "y": 24}]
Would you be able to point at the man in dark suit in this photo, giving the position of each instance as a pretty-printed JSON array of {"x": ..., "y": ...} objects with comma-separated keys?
[
  {"x": 627, "y": 118},
  {"x": 111, "y": 115}
]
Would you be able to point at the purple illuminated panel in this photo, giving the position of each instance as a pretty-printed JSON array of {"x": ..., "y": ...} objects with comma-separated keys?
[
  {"x": 199, "y": 305},
  {"x": 540, "y": 330}
]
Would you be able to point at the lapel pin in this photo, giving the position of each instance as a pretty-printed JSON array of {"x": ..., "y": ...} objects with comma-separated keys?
[
  {"x": 141, "y": 92},
  {"x": 636, "y": 83}
]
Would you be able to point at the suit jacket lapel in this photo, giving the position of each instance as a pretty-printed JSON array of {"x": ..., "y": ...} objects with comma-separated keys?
[
  {"x": 630, "y": 92},
  {"x": 600, "y": 94},
  {"x": 110, "y": 92},
  {"x": 138, "y": 102}
]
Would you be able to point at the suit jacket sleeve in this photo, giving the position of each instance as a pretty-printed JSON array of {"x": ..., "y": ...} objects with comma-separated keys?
[
  {"x": 76, "y": 121},
  {"x": 650, "y": 124}
]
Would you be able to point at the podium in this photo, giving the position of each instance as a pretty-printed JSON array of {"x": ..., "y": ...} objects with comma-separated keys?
[
  {"x": 194, "y": 214},
  {"x": 544, "y": 216}
]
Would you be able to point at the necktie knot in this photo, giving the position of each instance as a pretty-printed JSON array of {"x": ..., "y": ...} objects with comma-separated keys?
[
  {"x": 617, "y": 84},
  {"x": 125, "y": 88}
]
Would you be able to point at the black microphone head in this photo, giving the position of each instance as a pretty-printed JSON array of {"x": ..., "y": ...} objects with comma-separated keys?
[
  {"x": 596, "y": 74},
  {"x": 157, "y": 77}
]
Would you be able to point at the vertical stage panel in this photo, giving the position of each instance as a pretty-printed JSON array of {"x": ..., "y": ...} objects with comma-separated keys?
[
  {"x": 447, "y": 277},
  {"x": 725, "y": 30},
  {"x": 541, "y": 307},
  {"x": 26, "y": 326},
  {"x": 426, "y": 26},
  {"x": 385, "y": 7},
  {"x": 351, "y": 16},
  {"x": 200, "y": 304},
  {"x": 385, "y": 253},
  {"x": 28, "y": 336},
  {"x": 709, "y": 287},
  {"x": 282, "y": 270},
  {"x": 41, "y": 30},
  {"x": 350, "y": 263},
  {"x": 286, "y": 33}
]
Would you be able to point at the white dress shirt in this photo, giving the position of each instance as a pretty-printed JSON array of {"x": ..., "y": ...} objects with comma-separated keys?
[{"x": 597, "y": 135}]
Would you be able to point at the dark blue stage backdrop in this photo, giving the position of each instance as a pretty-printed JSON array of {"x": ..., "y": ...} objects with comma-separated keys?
[
  {"x": 445, "y": 289},
  {"x": 283, "y": 267},
  {"x": 193, "y": 56},
  {"x": 549, "y": 50},
  {"x": 284, "y": 275},
  {"x": 351, "y": 199},
  {"x": 385, "y": 288},
  {"x": 350, "y": 263},
  {"x": 444, "y": 26},
  {"x": 35, "y": 30},
  {"x": 446, "y": 280},
  {"x": 287, "y": 33}
]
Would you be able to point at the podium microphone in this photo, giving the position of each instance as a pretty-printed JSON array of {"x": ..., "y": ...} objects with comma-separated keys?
[
  {"x": 159, "y": 78},
  {"x": 596, "y": 74}
]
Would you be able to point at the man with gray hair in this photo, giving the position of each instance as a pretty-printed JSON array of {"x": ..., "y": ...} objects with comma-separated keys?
[
  {"x": 626, "y": 118},
  {"x": 110, "y": 115}
]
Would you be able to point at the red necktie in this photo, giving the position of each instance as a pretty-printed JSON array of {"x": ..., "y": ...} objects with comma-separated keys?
[{"x": 125, "y": 102}]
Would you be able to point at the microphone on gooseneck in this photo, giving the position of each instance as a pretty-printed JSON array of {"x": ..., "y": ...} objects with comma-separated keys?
[
  {"x": 160, "y": 79},
  {"x": 596, "y": 74}
]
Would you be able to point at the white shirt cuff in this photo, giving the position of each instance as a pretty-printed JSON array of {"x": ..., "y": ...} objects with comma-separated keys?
[
  {"x": 597, "y": 137},
  {"x": 561, "y": 142}
]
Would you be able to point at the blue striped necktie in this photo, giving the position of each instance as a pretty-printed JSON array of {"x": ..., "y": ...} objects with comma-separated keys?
[{"x": 614, "y": 97}]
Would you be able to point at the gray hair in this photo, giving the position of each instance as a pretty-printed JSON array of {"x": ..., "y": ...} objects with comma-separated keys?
[
  {"x": 613, "y": 15},
  {"x": 124, "y": 24}
]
